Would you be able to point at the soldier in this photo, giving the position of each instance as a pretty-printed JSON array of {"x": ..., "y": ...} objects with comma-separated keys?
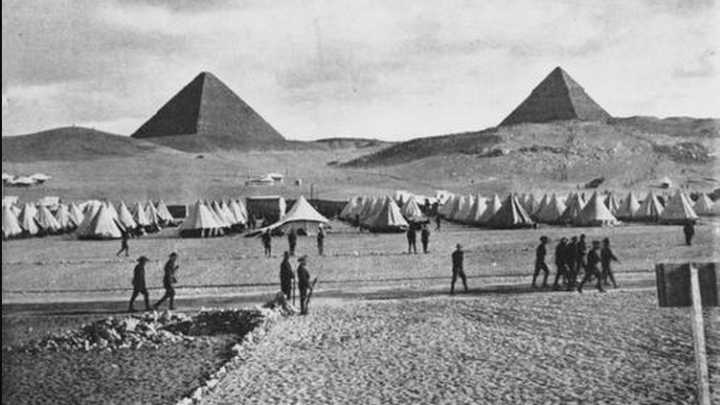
[
  {"x": 169, "y": 278},
  {"x": 292, "y": 241},
  {"x": 591, "y": 268},
  {"x": 124, "y": 244},
  {"x": 607, "y": 256},
  {"x": 437, "y": 221},
  {"x": 581, "y": 258},
  {"x": 139, "y": 286},
  {"x": 457, "y": 268},
  {"x": 425, "y": 238},
  {"x": 286, "y": 275},
  {"x": 571, "y": 262},
  {"x": 689, "y": 231},
  {"x": 540, "y": 265},
  {"x": 321, "y": 241},
  {"x": 412, "y": 239},
  {"x": 267, "y": 242},
  {"x": 560, "y": 262},
  {"x": 357, "y": 222},
  {"x": 303, "y": 283}
]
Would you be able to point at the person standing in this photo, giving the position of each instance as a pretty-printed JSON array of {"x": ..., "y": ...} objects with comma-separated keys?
[
  {"x": 266, "y": 238},
  {"x": 169, "y": 279},
  {"x": 540, "y": 253},
  {"x": 591, "y": 268},
  {"x": 560, "y": 262},
  {"x": 286, "y": 276},
  {"x": 581, "y": 255},
  {"x": 606, "y": 257},
  {"x": 139, "y": 286},
  {"x": 321, "y": 241},
  {"x": 437, "y": 222},
  {"x": 689, "y": 231},
  {"x": 457, "y": 268},
  {"x": 571, "y": 262},
  {"x": 303, "y": 283},
  {"x": 411, "y": 239},
  {"x": 292, "y": 241},
  {"x": 425, "y": 238},
  {"x": 124, "y": 247}
]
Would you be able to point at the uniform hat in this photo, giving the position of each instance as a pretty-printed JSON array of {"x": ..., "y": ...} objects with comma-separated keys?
[
  {"x": 596, "y": 243},
  {"x": 302, "y": 259},
  {"x": 142, "y": 259},
  {"x": 543, "y": 238},
  {"x": 606, "y": 240},
  {"x": 173, "y": 254},
  {"x": 458, "y": 246}
]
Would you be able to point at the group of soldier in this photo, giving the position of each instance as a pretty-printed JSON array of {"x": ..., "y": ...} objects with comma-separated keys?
[
  {"x": 287, "y": 281},
  {"x": 411, "y": 235},
  {"x": 292, "y": 235},
  {"x": 140, "y": 286},
  {"x": 575, "y": 261}
]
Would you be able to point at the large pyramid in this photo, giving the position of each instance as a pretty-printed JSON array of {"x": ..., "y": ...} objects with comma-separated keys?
[
  {"x": 557, "y": 97},
  {"x": 207, "y": 107}
]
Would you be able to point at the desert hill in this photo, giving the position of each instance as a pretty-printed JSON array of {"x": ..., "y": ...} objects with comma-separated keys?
[
  {"x": 74, "y": 144},
  {"x": 342, "y": 143},
  {"x": 673, "y": 126}
]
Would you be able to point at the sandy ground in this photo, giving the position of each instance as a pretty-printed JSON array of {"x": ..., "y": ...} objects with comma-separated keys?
[{"x": 537, "y": 348}]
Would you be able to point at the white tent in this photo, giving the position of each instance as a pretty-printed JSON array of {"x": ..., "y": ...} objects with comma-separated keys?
[
  {"x": 678, "y": 210},
  {"x": 551, "y": 211},
  {"x": 125, "y": 218},
  {"x": 200, "y": 222},
  {"x": 411, "y": 211},
  {"x": 10, "y": 224},
  {"x": 152, "y": 215},
  {"x": 219, "y": 215},
  {"x": 544, "y": 201},
  {"x": 478, "y": 209},
  {"x": 88, "y": 214},
  {"x": 595, "y": 213},
  {"x": 101, "y": 225},
  {"x": 612, "y": 204},
  {"x": 650, "y": 209},
  {"x": 302, "y": 218},
  {"x": 47, "y": 222},
  {"x": 164, "y": 213},
  {"x": 511, "y": 215},
  {"x": 573, "y": 207},
  {"x": 388, "y": 219},
  {"x": 446, "y": 208},
  {"x": 492, "y": 207},
  {"x": 76, "y": 214},
  {"x": 239, "y": 211},
  {"x": 629, "y": 208},
  {"x": 140, "y": 217},
  {"x": 62, "y": 216},
  {"x": 28, "y": 221},
  {"x": 705, "y": 207},
  {"x": 351, "y": 209}
]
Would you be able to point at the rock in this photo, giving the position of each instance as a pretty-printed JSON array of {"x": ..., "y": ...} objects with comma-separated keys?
[
  {"x": 211, "y": 383},
  {"x": 197, "y": 394}
]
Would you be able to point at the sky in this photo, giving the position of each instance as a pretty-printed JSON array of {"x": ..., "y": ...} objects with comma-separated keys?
[{"x": 392, "y": 70}]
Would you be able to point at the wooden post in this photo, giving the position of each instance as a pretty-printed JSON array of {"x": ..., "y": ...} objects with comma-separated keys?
[{"x": 701, "y": 365}]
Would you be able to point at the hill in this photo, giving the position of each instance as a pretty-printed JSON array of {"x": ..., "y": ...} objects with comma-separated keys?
[
  {"x": 73, "y": 144},
  {"x": 673, "y": 126},
  {"x": 344, "y": 143},
  {"x": 205, "y": 115}
]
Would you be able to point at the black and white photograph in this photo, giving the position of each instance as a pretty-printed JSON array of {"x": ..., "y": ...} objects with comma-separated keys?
[{"x": 360, "y": 202}]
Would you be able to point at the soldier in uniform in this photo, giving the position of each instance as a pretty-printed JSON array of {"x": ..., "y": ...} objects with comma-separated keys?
[
  {"x": 169, "y": 278},
  {"x": 425, "y": 238},
  {"x": 267, "y": 243},
  {"x": 139, "y": 286},
  {"x": 457, "y": 268},
  {"x": 571, "y": 262},
  {"x": 124, "y": 247},
  {"x": 581, "y": 255},
  {"x": 412, "y": 239},
  {"x": 286, "y": 276},
  {"x": 540, "y": 265},
  {"x": 437, "y": 221},
  {"x": 292, "y": 241},
  {"x": 303, "y": 283},
  {"x": 606, "y": 257},
  {"x": 560, "y": 262},
  {"x": 689, "y": 231},
  {"x": 591, "y": 268},
  {"x": 321, "y": 241}
]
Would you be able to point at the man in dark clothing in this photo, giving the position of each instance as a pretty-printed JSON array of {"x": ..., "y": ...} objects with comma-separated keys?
[
  {"x": 689, "y": 231},
  {"x": 591, "y": 268},
  {"x": 607, "y": 256},
  {"x": 169, "y": 278},
  {"x": 571, "y": 261},
  {"x": 437, "y": 222},
  {"x": 286, "y": 276},
  {"x": 540, "y": 265},
  {"x": 292, "y": 241},
  {"x": 267, "y": 243},
  {"x": 412, "y": 239},
  {"x": 560, "y": 262},
  {"x": 581, "y": 255},
  {"x": 425, "y": 238},
  {"x": 124, "y": 244},
  {"x": 139, "y": 286},
  {"x": 457, "y": 268},
  {"x": 321, "y": 241},
  {"x": 303, "y": 284},
  {"x": 357, "y": 222}
]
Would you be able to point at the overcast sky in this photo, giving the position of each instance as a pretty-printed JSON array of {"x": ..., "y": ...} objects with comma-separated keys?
[{"x": 387, "y": 69}]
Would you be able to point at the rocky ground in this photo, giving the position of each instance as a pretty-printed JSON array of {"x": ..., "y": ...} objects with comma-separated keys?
[{"x": 534, "y": 348}]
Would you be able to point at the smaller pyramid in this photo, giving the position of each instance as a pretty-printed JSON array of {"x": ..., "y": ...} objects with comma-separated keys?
[{"x": 558, "y": 97}]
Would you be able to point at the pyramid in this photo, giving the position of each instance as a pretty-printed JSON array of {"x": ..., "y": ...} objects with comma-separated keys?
[
  {"x": 558, "y": 97},
  {"x": 207, "y": 107}
]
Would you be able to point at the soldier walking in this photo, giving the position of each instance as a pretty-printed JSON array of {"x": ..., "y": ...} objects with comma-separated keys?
[
  {"x": 267, "y": 242},
  {"x": 321, "y": 241},
  {"x": 581, "y": 255},
  {"x": 286, "y": 276},
  {"x": 139, "y": 286},
  {"x": 425, "y": 238},
  {"x": 437, "y": 221},
  {"x": 292, "y": 241},
  {"x": 303, "y": 284},
  {"x": 457, "y": 268},
  {"x": 606, "y": 257},
  {"x": 169, "y": 279},
  {"x": 124, "y": 247},
  {"x": 689, "y": 231},
  {"x": 540, "y": 265},
  {"x": 412, "y": 239},
  {"x": 571, "y": 262},
  {"x": 560, "y": 262},
  {"x": 591, "y": 268}
]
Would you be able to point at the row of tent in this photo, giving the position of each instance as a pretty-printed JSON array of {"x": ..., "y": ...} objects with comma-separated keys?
[
  {"x": 205, "y": 219},
  {"x": 381, "y": 214},
  {"x": 89, "y": 220}
]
